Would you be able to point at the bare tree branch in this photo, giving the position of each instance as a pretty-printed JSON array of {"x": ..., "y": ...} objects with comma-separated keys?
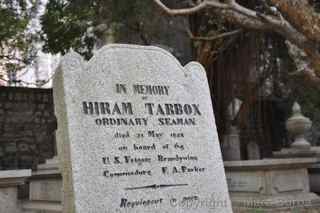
[
  {"x": 192, "y": 10},
  {"x": 215, "y": 37},
  {"x": 305, "y": 38},
  {"x": 302, "y": 16},
  {"x": 303, "y": 64}
]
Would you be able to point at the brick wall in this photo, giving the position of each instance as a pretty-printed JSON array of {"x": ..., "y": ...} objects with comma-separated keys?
[{"x": 27, "y": 127}]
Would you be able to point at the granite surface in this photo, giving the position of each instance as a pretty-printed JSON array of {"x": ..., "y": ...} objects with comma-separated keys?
[{"x": 137, "y": 133}]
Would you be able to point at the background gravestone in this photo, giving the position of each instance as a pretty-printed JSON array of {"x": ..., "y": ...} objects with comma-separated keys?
[{"x": 136, "y": 133}]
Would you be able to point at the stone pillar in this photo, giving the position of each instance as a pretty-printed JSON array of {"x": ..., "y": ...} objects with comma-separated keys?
[
  {"x": 231, "y": 140},
  {"x": 253, "y": 151},
  {"x": 1, "y": 156},
  {"x": 9, "y": 182},
  {"x": 297, "y": 125},
  {"x": 231, "y": 145}
]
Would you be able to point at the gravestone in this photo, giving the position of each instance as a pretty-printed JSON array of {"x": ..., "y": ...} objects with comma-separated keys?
[
  {"x": 253, "y": 151},
  {"x": 136, "y": 133},
  {"x": 231, "y": 145}
]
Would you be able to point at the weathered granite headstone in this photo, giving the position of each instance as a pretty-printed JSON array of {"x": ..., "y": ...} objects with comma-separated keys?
[{"x": 136, "y": 133}]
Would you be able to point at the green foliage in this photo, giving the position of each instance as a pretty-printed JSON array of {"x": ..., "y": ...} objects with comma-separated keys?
[
  {"x": 132, "y": 14},
  {"x": 15, "y": 49},
  {"x": 65, "y": 26},
  {"x": 75, "y": 23}
]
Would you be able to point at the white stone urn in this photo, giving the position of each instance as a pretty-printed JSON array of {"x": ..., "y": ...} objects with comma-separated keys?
[{"x": 297, "y": 125}]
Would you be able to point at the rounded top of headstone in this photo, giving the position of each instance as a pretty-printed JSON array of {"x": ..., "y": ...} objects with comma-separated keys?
[{"x": 160, "y": 49}]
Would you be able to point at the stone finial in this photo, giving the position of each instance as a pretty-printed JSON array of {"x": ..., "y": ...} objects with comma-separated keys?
[
  {"x": 296, "y": 109},
  {"x": 297, "y": 125}
]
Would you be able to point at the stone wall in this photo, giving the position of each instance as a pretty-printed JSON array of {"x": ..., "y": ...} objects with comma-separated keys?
[{"x": 27, "y": 127}]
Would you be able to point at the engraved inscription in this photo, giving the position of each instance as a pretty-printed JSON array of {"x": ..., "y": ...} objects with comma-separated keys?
[{"x": 146, "y": 147}]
